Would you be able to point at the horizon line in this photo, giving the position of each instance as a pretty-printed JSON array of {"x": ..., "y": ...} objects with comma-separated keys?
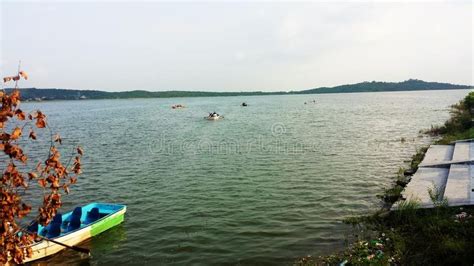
[{"x": 248, "y": 91}]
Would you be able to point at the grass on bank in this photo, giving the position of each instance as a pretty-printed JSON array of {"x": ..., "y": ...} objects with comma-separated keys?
[
  {"x": 412, "y": 236},
  {"x": 459, "y": 126}
]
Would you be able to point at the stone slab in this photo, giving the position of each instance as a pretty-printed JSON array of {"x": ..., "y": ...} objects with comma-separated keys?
[
  {"x": 438, "y": 153},
  {"x": 458, "y": 185},
  {"x": 423, "y": 180},
  {"x": 461, "y": 151}
]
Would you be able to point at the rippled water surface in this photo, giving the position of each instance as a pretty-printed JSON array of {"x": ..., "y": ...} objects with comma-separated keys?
[{"x": 268, "y": 183}]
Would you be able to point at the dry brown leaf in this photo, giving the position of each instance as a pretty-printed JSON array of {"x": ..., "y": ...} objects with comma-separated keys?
[
  {"x": 16, "y": 133},
  {"x": 40, "y": 123},
  {"x": 32, "y": 175},
  {"x": 80, "y": 151},
  {"x": 42, "y": 182},
  {"x": 32, "y": 135}
]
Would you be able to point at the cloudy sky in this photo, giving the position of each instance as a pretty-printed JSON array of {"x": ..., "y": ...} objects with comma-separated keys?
[{"x": 234, "y": 46}]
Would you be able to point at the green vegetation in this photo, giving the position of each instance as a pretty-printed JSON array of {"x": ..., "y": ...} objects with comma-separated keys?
[
  {"x": 410, "y": 235},
  {"x": 63, "y": 94},
  {"x": 374, "y": 86},
  {"x": 418, "y": 158},
  {"x": 460, "y": 125},
  {"x": 438, "y": 236}
]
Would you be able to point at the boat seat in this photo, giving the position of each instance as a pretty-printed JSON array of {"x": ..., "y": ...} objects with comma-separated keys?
[
  {"x": 58, "y": 219},
  {"x": 77, "y": 212},
  {"x": 54, "y": 230},
  {"x": 75, "y": 223},
  {"x": 93, "y": 215},
  {"x": 33, "y": 228}
]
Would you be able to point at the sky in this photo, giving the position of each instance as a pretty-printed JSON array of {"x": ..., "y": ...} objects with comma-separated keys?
[{"x": 234, "y": 46}]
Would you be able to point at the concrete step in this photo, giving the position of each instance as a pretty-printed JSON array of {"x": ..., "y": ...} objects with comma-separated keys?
[
  {"x": 471, "y": 151},
  {"x": 462, "y": 151},
  {"x": 438, "y": 154},
  {"x": 423, "y": 180},
  {"x": 448, "y": 167},
  {"x": 458, "y": 186},
  {"x": 471, "y": 176}
]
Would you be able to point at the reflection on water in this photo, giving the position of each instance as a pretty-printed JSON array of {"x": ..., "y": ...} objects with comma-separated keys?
[{"x": 268, "y": 183}]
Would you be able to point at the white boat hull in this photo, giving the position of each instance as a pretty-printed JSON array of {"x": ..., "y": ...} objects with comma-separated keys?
[{"x": 212, "y": 118}]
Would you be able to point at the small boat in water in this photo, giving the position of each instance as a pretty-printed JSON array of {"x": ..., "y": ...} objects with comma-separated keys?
[
  {"x": 178, "y": 106},
  {"x": 213, "y": 116},
  {"x": 74, "y": 227}
]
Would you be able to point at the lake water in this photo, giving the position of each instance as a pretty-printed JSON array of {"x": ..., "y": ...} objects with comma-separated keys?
[{"x": 267, "y": 184}]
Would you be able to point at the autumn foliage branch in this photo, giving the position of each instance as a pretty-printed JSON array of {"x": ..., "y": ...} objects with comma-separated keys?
[{"x": 51, "y": 175}]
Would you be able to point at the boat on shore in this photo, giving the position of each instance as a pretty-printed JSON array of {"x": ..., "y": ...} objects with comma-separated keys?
[{"x": 74, "y": 227}]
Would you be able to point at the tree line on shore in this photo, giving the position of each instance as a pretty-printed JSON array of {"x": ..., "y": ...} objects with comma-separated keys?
[{"x": 374, "y": 86}]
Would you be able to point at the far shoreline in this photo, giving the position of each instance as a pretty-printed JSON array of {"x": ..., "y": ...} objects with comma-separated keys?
[
  {"x": 35, "y": 94},
  {"x": 243, "y": 95}
]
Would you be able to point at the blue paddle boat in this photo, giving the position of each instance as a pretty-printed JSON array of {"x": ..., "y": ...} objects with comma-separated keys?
[{"x": 75, "y": 227}]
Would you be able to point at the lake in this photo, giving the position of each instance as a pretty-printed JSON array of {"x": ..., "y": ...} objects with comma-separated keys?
[{"x": 267, "y": 184}]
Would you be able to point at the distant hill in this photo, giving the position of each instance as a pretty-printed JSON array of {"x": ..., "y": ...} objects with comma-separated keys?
[
  {"x": 66, "y": 94},
  {"x": 375, "y": 86}
]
